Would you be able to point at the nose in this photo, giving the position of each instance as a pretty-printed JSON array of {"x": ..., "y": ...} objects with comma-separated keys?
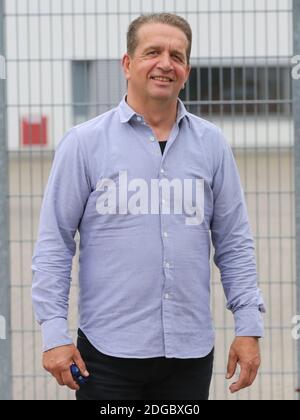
[{"x": 165, "y": 62}]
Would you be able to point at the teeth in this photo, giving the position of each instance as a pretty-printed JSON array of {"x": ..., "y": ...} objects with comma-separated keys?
[{"x": 162, "y": 79}]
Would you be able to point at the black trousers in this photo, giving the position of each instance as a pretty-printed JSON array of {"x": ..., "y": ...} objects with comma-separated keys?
[{"x": 159, "y": 378}]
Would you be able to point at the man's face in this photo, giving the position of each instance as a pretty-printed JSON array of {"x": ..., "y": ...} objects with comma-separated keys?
[{"x": 158, "y": 69}]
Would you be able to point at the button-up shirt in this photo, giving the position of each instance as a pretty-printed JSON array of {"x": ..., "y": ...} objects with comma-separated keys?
[{"x": 146, "y": 223}]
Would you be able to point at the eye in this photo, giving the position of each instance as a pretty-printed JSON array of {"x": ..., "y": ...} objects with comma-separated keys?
[
  {"x": 152, "y": 52},
  {"x": 178, "y": 58}
]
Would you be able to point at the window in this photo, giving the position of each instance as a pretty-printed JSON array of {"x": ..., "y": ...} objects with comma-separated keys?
[
  {"x": 238, "y": 90},
  {"x": 81, "y": 87},
  {"x": 98, "y": 85}
]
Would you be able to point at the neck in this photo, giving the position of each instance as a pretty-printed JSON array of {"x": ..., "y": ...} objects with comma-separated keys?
[{"x": 160, "y": 114}]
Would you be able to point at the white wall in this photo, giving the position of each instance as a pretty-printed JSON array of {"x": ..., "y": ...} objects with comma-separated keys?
[{"x": 43, "y": 39}]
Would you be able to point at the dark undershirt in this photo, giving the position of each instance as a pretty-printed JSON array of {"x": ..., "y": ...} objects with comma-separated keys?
[{"x": 162, "y": 146}]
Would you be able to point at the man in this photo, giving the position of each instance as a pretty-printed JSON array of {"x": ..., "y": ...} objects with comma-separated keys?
[{"x": 145, "y": 324}]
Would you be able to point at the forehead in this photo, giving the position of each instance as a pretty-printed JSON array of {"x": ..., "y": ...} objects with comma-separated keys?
[{"x": 161, "y": 34}]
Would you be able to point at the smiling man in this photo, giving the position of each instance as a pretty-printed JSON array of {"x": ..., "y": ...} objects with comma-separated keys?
[
  {"x": 157, "y": 67},
  {"x": 146, "y": 330}
]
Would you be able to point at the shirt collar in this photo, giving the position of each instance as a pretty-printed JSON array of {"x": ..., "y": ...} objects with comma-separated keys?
[
  {"x": 182, "y": 113},
  {"x": 127, "y": 113}
]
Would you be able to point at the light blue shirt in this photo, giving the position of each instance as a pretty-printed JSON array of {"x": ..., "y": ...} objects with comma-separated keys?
[{"x": 144, "y": 276}]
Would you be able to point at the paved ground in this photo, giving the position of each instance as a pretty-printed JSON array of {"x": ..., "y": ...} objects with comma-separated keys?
[{"x": 268, "y": 181}]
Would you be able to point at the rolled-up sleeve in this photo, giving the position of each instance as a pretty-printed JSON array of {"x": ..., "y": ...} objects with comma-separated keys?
[
  {"x": 234, "y": 246},
  {"x": 65, "y": 197}
]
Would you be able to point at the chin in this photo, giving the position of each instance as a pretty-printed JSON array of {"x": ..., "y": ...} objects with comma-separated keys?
[{"x": 161, "y": 95}]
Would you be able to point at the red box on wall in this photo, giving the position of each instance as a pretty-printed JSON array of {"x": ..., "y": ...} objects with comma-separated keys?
[{"x": 34, "y": 131}]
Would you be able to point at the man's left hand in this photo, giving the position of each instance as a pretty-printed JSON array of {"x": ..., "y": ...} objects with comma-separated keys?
[{"x": 245, "y": 352}]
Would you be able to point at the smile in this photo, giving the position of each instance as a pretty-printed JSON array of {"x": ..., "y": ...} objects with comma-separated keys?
[{"x": 162, "y": 79}]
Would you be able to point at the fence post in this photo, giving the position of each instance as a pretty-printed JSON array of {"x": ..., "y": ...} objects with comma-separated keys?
[
  {"x": 5, "y": 330},
  {"x": 296, "y": 112}
]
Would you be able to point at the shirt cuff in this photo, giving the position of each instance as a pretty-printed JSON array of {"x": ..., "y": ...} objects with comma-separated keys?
[
  {"x": 55, "y": 333},
  {"x": 249, "y": 322}
]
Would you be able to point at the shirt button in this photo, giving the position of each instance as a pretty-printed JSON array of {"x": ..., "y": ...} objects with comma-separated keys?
[
  {"x": 152, "y": 139},
  {"x": 162, "y": 171},
  {"x": 166, "y": 235},
  {"x": 163, "y": 201},
  {"x": 167, "y": 296},
  {"x": 167, "y": 265}
]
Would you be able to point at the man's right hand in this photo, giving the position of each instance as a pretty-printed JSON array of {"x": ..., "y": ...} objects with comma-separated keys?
[{"x": 57, "y": 361}]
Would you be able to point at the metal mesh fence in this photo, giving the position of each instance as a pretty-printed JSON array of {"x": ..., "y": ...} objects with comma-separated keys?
[{"x": 63, "y": 67}]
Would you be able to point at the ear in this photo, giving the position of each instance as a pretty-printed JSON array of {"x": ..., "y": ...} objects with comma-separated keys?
[
  {"x": 188, "y": 72},
  {"x": 126, "y": 61}
]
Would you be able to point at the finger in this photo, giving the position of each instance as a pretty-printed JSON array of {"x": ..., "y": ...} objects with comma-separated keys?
[
  {"x": 56, "y": 375},
  {"x": 243, "y": 381},
  {"x": 253, "y": 374},
  {"x": 231, "y": 366},
  {"x": 69, "y": 381},
  {"x": 59, "y": 379},
  {"x": 80, "y": 364}
]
